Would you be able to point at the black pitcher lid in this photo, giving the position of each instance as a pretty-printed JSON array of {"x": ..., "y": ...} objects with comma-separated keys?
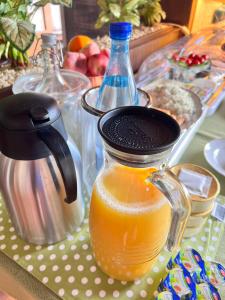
[{"x": 138, "y": 130}]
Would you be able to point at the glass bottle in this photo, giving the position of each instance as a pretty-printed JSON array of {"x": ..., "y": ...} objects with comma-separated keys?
[{"x": 118, "y": 87}]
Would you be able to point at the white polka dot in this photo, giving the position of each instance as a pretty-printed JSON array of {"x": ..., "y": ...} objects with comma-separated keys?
[
  {"x": 61, "y": 292},
  {"x": 80, "y": 268},
  {"x": 62, "y": 247},
  {"x": 65, "y": 257},
  {"x": 137, "y": 281},
  {"x": 81, "y": 238},
  {"x": 155, "y": 293},
  {"x": 42, "y": 268},
  {"x": 209, "y": 258},
  {"x": 40, "y": 256},
  {"x": 30, "y": 268},
  {"x": 155, "y": 269},
  {"x": 203, "y": 238},
  {"x": 150, "y": 280},
  {"x": 78, "y": 229},
  {"x": 26, "y": 247},
  {"x": 39, "y": 247},
  {"x": 102, "y": 294},
  {"x": 161, "y": 258},
  {"x": 14, "y": 247},
  {"x": 143, "y": 294},
  {"x": 216, "y": 229},
  {"x": 28, "y": 257},
  {"x": 193, "y": 239},
  {"x": 88, "y": 293},
  {"x": 97, "y": 280},
  {"x": 75, "y": 292},
  {"x": 58, "y": 279},
  {"x": 52, "y": 256},
  {"x": 70, "y": 237},
  {"x": 2, "y": 228},
  {"x": 45, "y": 279},
  {"x": 11, "y": 229},
  {"x": 93, "y": 269},
  {"x": 2, "y": 246},
  {"x": 51, "y": 247},
  {"x": 76, "y": 256},
  {"x": 207, "y": 229},
  {"x": 16, "y": 257},
  {"x": 116, "y": 294},
  {"x": 200, "y": 248},
  {"x": 130, "y": 293},
  {"x": 1, "y": 219},
  {"x": 123, "y": 282},
  {"x": 71, "y": 279},
  {"x": 68, "y": 267},
  {"x": 85, "y": 246},
  {"x": 55, "y": 268},
  {"x": 212, "y": 248},
  {"x": 13, "y": 237},
  {"x": 214, "y": 238},
  {"x": 89, "y": 257},
  {"x": 73, "y": 247},
  {"x": 110, "y": 280},
  {"x": 210, "y": 221},
  {"x": 2, "y": 237},
  {"x": 84, "y": 280},
  {"x": 0, "y": 212}
]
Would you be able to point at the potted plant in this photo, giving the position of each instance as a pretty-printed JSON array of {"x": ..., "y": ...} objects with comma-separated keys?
[
  {"x": 17, "y": 32},
  {"x": 144, "y": 15}
]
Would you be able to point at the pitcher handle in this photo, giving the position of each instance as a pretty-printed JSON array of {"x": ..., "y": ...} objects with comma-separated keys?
[{"x": 179, "y": 199}]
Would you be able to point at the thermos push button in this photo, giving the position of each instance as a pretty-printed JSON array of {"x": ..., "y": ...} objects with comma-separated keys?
[{"x": 39, "y": 115}]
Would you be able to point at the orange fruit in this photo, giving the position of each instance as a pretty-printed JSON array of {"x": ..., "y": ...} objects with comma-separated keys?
[{"x": 78, "y": 42}]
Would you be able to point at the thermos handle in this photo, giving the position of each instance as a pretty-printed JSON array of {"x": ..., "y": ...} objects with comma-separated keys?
[{"x": 61, "y": 152}]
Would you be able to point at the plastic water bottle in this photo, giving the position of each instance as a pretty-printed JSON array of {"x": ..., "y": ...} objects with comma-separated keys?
[{"x": 118, "y": 87}]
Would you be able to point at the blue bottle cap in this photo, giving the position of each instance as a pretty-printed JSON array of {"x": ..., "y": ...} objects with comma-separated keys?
[{"x": 120, "y": 30}]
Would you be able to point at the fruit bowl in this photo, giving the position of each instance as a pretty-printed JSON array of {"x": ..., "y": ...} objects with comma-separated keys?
[{"x": 188, "y": 68}]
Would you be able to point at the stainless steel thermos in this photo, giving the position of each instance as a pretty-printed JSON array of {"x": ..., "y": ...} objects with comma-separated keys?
[{"x": 40, "y": 169}]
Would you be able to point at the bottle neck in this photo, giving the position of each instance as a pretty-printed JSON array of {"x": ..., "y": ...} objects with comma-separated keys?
[
  {"x": 120, "y": 46},
  {"x": 50, "y": 60}
]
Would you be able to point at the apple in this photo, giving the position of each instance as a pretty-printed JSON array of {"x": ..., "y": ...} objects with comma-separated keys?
[
  {"x": 75, "y": 61},
  {"x": 106, "y": 52},
  {"x": 97, "y": 64},
  {"x": 90, "y": 49}
]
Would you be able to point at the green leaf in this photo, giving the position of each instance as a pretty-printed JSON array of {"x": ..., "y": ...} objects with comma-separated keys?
[
  {"x": 20, "y": 33},
  {"x": 132, "y": 18},
  {"x": 115, "y": 10},
  {"x": 103, "y": 19},
  {"x": 131, "y": 5},
  {"x": 67, "y": 3},
  {"x": 23, "y": 10},
  {"x": 4, "y": 8},
  {"x": 102, "y": 4}
]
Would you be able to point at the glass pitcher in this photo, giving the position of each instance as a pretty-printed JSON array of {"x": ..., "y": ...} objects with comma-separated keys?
[{"x": 137, "y": 206}]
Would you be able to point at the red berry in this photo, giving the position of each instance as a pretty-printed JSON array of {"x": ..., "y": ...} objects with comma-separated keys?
[
  {"x": 206, "y": 57},
  {"x": 189, "y": 61},
  {"x": 182, "y": 59}
]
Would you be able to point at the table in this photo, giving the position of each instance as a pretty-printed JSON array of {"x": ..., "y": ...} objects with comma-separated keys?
[{"x": 22, "y": 285}]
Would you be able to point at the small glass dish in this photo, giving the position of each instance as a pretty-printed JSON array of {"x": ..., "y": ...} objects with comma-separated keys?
[{"x": 182, "y": 72}]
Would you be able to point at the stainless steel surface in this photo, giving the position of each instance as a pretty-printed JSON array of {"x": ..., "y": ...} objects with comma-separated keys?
[{"x": 34, "y": 194}]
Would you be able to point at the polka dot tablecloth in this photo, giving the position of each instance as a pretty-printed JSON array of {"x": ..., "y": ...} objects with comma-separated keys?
[{"x": 69, "y": 269}]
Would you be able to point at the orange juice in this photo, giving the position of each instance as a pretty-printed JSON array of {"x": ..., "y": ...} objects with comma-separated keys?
[{"x": 129, "y": 222}]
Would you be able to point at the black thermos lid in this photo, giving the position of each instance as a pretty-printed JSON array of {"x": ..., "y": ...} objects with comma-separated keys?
[{"x": 22, "y": 116}]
